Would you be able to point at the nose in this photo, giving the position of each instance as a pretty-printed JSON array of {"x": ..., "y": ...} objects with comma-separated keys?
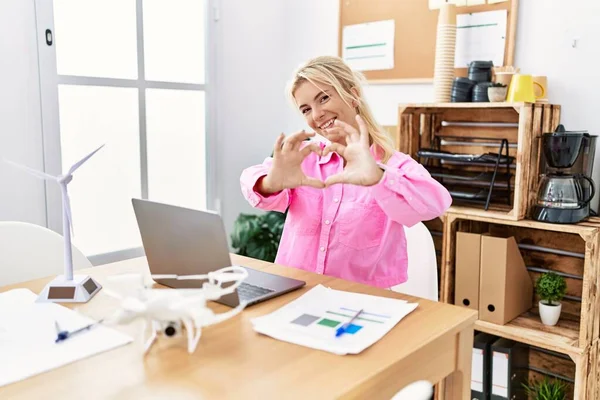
[{"x": 318, "y": 114}]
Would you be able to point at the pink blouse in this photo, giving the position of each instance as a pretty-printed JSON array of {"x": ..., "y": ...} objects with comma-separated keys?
[{"x": 348, "y": 231}]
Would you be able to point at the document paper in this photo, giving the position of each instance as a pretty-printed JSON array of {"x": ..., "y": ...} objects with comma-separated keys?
[
  {"x": 480, "y": 37},
  {"x": 369, "y": 46},
  {"x": 28, "y": 334},
  {"x": 312, "y": 320}
]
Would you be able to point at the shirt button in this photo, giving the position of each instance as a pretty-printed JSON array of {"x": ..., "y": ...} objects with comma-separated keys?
[
  {"x": 336, "y": 200},
  {"x": 327, "y": 222},
  {"x": 322, "y": 248}
]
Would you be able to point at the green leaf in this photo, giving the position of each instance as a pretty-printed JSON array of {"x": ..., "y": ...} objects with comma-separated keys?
[
  {"x": 551, "y": 287},
  {"x": 258, "y": 236}
]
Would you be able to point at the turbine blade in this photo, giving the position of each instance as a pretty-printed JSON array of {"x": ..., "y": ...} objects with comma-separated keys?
[
  {"x": 32, "y": 171},
  {"x": 80, "y": 162}
]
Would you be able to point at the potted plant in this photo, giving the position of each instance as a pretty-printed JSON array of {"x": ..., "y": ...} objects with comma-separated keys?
[
  {"x": 546, "y": 390},
  {"x": 551, "y": 288},
  {"x": 497, "y": 92},
  {"x": 258, "y": 236}
]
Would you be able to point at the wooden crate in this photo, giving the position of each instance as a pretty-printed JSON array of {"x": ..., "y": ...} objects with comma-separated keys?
[
  {"x": 521, "y": 124},
  {"x": 568, "y": 249}
]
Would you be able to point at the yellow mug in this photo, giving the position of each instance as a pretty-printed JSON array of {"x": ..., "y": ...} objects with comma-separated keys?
[{"x": 521, "y": 89}]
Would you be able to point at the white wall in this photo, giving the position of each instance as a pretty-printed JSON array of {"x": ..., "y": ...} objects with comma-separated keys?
[
  {"x": 21, "y": 196},
  {"x": 260, "y": 43}
]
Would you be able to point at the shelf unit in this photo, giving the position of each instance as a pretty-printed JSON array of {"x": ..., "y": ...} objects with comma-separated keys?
[
  {"x": 459, "y": 128},
  {"x": 570, "y": 250},
  {"x": 571, "y": 349}
]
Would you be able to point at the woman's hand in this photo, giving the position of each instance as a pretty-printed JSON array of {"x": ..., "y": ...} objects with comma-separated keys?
[
  {"x": 361, "y": 168},
  {"x": 286, "y": 171}
]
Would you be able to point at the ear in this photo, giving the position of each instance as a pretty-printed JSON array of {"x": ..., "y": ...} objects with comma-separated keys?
[{"x": 356, "y": 97}]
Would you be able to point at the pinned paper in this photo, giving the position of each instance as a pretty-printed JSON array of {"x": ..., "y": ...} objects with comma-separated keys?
[
  {"x": 369, "y": 46},
  {"x": 496, "y": 1},
  {"x": 475, "y": 2},
  {"x": 480, "y": 36}
]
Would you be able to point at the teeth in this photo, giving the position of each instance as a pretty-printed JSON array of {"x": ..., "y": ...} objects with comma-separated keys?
[{"x": 328, "y": 124}]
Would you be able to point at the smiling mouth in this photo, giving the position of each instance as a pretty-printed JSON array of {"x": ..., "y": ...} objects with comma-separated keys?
[{"x": 328, "y": 124}]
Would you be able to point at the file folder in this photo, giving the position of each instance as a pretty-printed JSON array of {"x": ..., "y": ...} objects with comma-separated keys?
[
  {"x": 506, "y": 289},
  {"x": 510, "y": 361},
  {"x": 481, "y": 366},
  {"x": 466, "y": 289}
]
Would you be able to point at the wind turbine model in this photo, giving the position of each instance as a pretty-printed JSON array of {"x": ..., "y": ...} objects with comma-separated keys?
[{"x": 66, "y": 288}]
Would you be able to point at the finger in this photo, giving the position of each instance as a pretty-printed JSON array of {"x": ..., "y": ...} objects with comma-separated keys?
[
  {"x": 363, "y": 129},
  {"x": 338, "y": 148},
  {"x": 353, "y": 134},
  {"x": 313, "y": 147},
  {"x": 313, "y": 182},
  {"x": 336, "y": 130},
  {"x": 299, "y": 137},
  {"x": 278, "y": 144},
  {"x": 335, "y": 179}
]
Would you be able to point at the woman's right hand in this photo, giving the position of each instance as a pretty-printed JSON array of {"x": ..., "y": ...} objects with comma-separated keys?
[{"x": 286, "y": 171}]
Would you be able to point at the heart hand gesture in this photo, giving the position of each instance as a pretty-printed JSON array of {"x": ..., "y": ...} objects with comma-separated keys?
[
  {"x": 360, "y": 168},
  {"x": 286, "y": 171}
]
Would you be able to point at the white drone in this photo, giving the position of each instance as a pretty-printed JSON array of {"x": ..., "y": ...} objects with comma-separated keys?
[{"x": 166, "y": 311}]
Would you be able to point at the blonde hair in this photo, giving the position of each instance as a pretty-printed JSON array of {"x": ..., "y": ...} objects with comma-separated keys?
[{"x": 333, "y": 71}]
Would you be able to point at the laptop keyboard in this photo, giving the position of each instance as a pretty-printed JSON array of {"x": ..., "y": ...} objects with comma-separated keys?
[{"x": 247, "y": 291}]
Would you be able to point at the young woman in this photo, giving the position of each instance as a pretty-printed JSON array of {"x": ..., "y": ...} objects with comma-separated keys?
[{"x": 347, "y": 201}]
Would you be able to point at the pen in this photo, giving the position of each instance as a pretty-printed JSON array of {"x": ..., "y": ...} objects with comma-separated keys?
[
  {"x": 342, "y": 329},
  {"x": 64, "y": 335}
]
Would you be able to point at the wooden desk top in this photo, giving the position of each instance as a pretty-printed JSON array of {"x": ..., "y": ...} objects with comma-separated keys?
[{"x": 232, "y": 360}]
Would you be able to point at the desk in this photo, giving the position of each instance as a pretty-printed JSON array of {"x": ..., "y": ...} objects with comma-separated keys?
[{"x": 233, "y": 361}]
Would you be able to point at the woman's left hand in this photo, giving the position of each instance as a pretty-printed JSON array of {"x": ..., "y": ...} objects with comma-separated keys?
[{"x": 361, "y": 168}]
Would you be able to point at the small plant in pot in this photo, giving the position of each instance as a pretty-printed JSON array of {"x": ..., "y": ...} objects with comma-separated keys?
[
  {"x": 497, "y": 92},
  {"x": 551, "y": 289},
  {"x": 546, "y": 390}
]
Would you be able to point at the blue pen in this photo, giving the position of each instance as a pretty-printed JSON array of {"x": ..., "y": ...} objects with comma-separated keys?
[
  {"x": 64, "y": 335},
  {"x": 342, "y": 329}
]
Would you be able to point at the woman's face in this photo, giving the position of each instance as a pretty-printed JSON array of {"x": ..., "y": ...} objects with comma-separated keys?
[{"x": 322, "y": 107}]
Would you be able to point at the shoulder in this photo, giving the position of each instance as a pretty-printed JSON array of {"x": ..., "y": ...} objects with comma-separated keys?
[{"x": 399, "y": 159}]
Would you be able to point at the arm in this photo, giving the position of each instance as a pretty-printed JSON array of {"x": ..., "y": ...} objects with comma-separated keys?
[
  {"x": 251, "y": 181},
  {"x": 407, "y": 192}
]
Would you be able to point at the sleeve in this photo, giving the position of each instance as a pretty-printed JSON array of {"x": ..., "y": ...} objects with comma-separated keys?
[
  {"x": 250, "y": 176},
  {"x": 408, "y": 194}
]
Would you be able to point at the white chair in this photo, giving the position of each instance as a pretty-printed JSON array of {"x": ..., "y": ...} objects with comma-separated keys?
[
  {"x": 29, "y": 251},
  {"x": 422, "y": 264},
  {"x": 420, "y": 390}
]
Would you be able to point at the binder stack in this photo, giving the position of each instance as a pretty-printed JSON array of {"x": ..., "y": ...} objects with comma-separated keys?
[
  {"x": 510, "y": 361},
  {"x": 481, "y": 366}
]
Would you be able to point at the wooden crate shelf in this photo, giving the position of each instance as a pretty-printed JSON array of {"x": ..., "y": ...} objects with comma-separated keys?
[
  {"x": 521, "y": 124},
  {"x": 568, "y": 249}
]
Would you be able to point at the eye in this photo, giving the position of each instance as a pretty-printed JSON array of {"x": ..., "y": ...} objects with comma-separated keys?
[
  {"x": 324, "y": 98},
  {"x": 305, "y": 110}
]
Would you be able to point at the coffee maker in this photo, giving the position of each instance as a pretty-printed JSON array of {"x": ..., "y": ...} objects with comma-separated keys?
[{"x": 565, "y": 187}]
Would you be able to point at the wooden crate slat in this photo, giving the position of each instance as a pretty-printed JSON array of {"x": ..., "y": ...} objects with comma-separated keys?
[
  {"x": 521, "y": 198},
  {"x": 520, "y": 123}
]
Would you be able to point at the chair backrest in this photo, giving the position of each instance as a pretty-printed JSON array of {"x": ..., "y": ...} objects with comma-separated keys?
[
  {"x": 29, "y": 251},
  {"x": 422, "y": 264}
]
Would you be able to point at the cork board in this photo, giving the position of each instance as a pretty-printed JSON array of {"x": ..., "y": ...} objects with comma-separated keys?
[{"x": 415, "y": 34}]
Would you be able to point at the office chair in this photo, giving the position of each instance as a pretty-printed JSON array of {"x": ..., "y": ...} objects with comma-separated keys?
[
  {"x": 422, "y": 264},
  {"x": 29, "y": 251},
  {"x": 419, "y": 390}
]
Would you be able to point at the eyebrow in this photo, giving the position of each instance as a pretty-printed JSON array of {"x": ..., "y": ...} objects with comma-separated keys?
[{"x": 316, "y": 97}]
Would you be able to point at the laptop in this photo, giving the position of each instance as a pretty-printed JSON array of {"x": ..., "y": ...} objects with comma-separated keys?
[{"x": 185, "y": 241}]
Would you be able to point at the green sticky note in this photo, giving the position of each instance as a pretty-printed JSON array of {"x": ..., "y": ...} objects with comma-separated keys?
[{"x": 329, "y": 322}]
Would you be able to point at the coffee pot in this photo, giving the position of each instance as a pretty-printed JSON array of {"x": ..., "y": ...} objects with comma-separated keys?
[{"x": 565, "y": 189}]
